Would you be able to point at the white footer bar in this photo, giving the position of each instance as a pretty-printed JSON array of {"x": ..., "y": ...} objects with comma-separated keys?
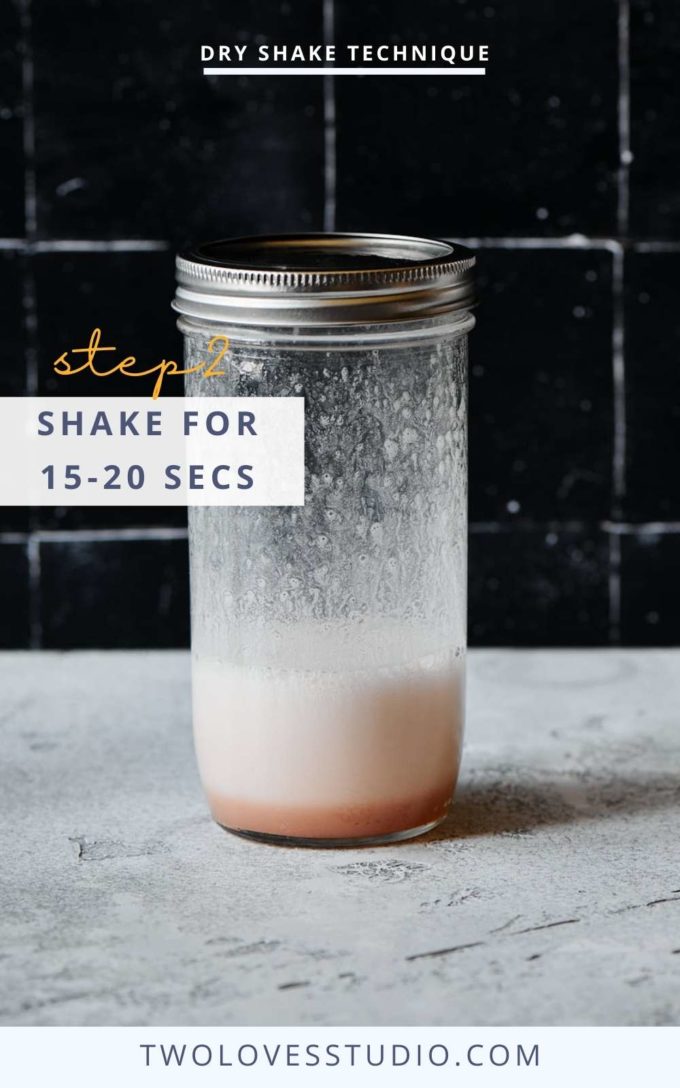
[{"x": 363, "y": 1057}]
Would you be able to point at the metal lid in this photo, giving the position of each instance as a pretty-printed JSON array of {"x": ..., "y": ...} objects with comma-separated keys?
[{"x": 323, "y": 279}]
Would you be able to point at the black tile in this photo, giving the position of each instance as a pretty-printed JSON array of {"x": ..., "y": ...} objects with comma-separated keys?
[
  {"x": 655, "y": 137},
  {"x": 538, "y": 588},
  {"x": 14, "y": 614},
  {"x": 134, "y": 141},
  {"x": 110, "y": 517},
  {"x": 12, "y": 356},
  {"x": 12, "y": 348},
  {"x": 126, "y": 295},
  {"x": 530, "y": 148},
  {"x": 540, "y": 386},
  {"x": 109, "y": 594},
  {"x": 653, "y": 386},
  {"x": 650, "y": 589},
  {"x": 11, "y": 124},
  {"x": 15, "y": 519}
]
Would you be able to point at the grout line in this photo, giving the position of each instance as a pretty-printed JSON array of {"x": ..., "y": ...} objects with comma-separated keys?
[
  {"x": 656, "y": 247},
  {"x": 114, "y": 245},
  {"x": 79, "y": 245},
  {"x": 618, "y": 322},
  {"x": 645, "y": 528},
  {"x": 625, "y": 153},
  {"x": 30, "y": 322},
  {"x": 527, "y": 525},
  {"x": 66, "y": 536},
  {"x": 34, "y": 592},
  {"x": 29, "y": 298},
  {"x": 614, "y": 589},
  {"x": 619, "y": 385},
  {"x": 30, "y": 201},
  {"x": 616, "y": 529},
  {"x": 157, "y": 245},
  {"x": 11, "y": 537},
  {"x": 568, "y": 241},
  {"x": 610, "y": 527},
  {"x": 330, "y": 132},
  {"x": 618, "y": 326},
  {"x": 485, "y": 527},
  {"x": 29, "y": 305}
]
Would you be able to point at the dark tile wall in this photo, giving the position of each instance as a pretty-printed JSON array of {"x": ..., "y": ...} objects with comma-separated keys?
[
  {"x": 655, "y": 163},
  {"x": 133, "y": 142},
  {"x": 651, "y": 601},
  {"x": 134, "y": 590},
  {"x": 530, "y": 149},
  {"x": 124, "y": 294},
  {"x": 11, "y": 122},
  {"x": 541, "y": 403},
  {"x": 561, "y": 166},
  {"x": 15, "y": 612},
  {"x": 653, "y": 386},
  {"x": 537, "y": 581}
]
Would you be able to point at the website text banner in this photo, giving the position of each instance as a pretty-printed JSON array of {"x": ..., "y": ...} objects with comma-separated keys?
[
  {"x": 135, "y": 451},
  {"x": 363, "y": 1057}
]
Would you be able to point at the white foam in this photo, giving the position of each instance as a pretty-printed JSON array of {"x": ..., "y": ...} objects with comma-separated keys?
[{"x": 345, "y": 734}]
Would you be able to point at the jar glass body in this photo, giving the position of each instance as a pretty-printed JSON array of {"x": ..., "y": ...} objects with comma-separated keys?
[{"x": 328, "y": 641}]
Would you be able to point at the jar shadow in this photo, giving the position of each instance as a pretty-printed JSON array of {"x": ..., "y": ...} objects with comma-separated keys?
[{"x": 519, "y": 806}]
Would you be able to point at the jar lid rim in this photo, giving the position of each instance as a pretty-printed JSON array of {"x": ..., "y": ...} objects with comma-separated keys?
[{"x": 321, "y": 278}]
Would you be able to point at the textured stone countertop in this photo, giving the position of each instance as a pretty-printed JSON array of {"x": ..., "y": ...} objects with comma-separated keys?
[{"x": 551, "y": 896}]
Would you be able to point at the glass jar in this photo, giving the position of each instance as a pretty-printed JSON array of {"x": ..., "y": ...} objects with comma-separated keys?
[{"x": 328, "y": 641}]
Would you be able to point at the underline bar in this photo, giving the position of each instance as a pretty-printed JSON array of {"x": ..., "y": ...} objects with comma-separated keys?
[{"x": 329, "y": 71}]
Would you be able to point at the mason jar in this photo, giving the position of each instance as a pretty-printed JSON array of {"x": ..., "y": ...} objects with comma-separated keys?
[{"x": 328, "y": 640}]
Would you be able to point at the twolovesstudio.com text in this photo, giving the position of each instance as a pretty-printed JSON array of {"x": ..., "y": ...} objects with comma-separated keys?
[
  {"x": 353, "y": 1055},
  {"x": 358, "y": 55}
]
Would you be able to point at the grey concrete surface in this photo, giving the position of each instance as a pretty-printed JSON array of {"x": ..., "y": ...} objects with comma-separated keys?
[{"x": 551, "y": 896}]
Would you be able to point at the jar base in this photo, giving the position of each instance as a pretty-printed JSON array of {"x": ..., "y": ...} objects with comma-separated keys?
[
  {"x": 345, "y": 823},
  {"x": 332, "y": 844}
]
